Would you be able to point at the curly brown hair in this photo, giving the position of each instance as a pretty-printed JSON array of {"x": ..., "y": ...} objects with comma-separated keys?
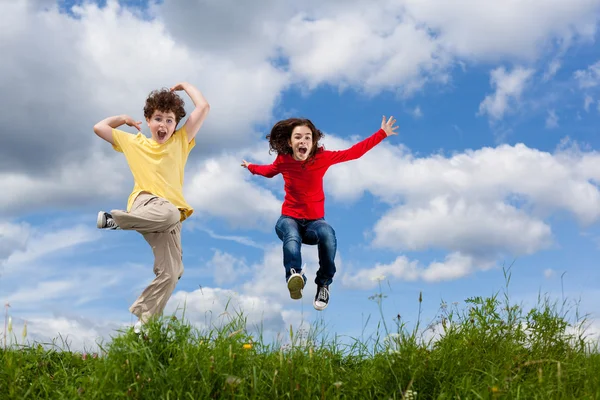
[
  {"x": 281, "y": 133},
  {"x": 164, "y": 100}
]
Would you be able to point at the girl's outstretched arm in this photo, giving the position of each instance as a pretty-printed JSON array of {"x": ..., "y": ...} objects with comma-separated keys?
[
  {"x": 267, "y": 171},
  {"x": 359, "y": 149}
]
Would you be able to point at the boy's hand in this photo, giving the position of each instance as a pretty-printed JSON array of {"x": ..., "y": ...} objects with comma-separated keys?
[
  {"x": 131, "y": 122},
  {"x": 179, "y": 86},
  {"x": 245, "y": 163},
  {"x": 388, "y": 126}
]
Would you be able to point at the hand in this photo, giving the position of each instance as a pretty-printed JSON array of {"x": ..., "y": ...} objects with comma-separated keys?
[
  {"x": 245, "y": 163},
  {"x": 131, "y": 122},
  {"x": 388, "y": 126},
  {"x": 179, "y": 86}
]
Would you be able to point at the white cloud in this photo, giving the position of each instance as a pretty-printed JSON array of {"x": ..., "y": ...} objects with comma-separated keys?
[
  {"x": 552, "y": 120},
  {"x": 55, "y": 155},
  {"x": 590, "y": 77},
  {"x": 417, "y": 113},
  {"x": 454, "y": 266},
  {"x": 207, "y": 308},
  {"x": 457, "y": 225},
  {"x": 43, "y": 243},
  {"x": 483, "y": 204},
  {"x": 365, "y": 48},
  {"x": 489, "y": 30},
  {"x": 227, "y": 268},
  {"x": 587, "y": 101},
  {"x": 222, "y": 188},
  {"x": 66, "y": 332},
  {"x": 13, "y": 238},
  {"x": 549, "y": 273},
  {"x": 553, "y": 68},
  {"x": 509, "y": 88}
]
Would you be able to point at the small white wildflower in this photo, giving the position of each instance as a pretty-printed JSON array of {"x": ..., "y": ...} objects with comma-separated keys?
[{"x": 378, "y": 278}]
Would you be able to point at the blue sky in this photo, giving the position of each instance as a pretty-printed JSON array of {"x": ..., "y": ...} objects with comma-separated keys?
[{"x": 495, "y": 162}]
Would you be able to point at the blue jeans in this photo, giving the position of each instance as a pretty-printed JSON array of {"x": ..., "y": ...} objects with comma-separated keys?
[{"x": 293, "y": 232}]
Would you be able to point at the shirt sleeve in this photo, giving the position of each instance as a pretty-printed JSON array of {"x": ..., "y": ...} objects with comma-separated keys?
[
  {"x": 357, "y": 150},
  {"x": 181, "y": 135},
  {"x": 121, "y": 140},
  {"x": 267, "y": 171}
]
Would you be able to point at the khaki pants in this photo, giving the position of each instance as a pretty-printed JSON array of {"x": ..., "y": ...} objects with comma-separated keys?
[{"x": 159, "y": 222}]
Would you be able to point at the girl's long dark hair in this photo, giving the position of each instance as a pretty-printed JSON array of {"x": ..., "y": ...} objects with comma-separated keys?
[{"x": 281, "y": 133}]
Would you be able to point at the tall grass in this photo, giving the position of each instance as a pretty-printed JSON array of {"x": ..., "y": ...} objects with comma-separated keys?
[{"x": 489, "y": 349}]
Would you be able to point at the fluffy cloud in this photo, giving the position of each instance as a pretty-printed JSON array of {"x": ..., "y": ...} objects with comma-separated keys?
[
  {"x": 226, "y": 268},
  {"x": 509, "y": 87},
  {"x": 207, "y": 308},
  {"x": 455, "y": 265},
  {"x": 590, "y": 77},
  {"x": 552, "y": 120},
  {"x": 51, "y": 107},
  {"x": 489, "y": 30},
  {"x": 481, "y": 204},
  {"x": 222, "y": 188}
]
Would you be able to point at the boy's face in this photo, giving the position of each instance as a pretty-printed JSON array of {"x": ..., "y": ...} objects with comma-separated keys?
[
  {"x": 301, "y": 142},
  {"x": 162, "y": 125}
]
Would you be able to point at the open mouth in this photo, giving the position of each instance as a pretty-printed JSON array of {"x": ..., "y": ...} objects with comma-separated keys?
[
  {"x": 161, "y": 134},
  {"x": 302, "y": 150}
]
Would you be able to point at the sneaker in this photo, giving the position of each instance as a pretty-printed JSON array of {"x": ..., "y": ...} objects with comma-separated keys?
[
  {"x": 137, "y": 328},
  {"x": 106, "y": 221},
  {"x": 321, "y": 298},
  {"x": 295, "y": 285}
]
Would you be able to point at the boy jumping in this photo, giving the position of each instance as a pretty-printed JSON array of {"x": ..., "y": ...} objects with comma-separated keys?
[
  {"x": 303, "y": 164},
  {"x": 156, "y": 206}
]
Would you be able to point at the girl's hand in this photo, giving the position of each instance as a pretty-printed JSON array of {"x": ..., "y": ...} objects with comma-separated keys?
[
  {"x": 388, "y": 126},
  {"x": 245, "y": 163}
]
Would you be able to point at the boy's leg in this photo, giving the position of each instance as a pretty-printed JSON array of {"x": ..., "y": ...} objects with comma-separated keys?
[
  {"x": 159, "y": 222},
  {"x": 148, "y": 214},
  {"x": 287, "y": 230},
  {"x": 168, "y": 268},
  {"x": 319, "y": 232}
]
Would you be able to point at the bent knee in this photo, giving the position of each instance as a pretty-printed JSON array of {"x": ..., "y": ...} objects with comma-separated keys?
[
  {"x": 172, "y": 215},
  {"x": 326, "y": 232}
]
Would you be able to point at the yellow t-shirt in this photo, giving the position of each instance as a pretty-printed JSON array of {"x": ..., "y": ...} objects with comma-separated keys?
[{"x": 156, "y": 168}]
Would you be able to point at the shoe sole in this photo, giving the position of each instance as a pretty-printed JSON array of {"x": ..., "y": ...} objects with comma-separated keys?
[
  {"x": 100, "y": 220},
  {"x": 295, "y": 285},
  {"x": 319, "y": 308}
]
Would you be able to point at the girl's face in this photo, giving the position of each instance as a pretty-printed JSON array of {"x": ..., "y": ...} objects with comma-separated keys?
[
  {"x": 162, "y": 125},
  {"x": 301, "y": 142}
]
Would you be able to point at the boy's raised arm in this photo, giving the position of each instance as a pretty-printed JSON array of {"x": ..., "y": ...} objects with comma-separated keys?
[
  {"x": 104, "y": 128},
  {"x": 197, "y": 117}
]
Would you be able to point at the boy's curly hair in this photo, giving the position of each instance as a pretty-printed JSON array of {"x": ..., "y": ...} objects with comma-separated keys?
[
  {"x": 165, "y": 100},
  {"x": 281, "y": 133}
]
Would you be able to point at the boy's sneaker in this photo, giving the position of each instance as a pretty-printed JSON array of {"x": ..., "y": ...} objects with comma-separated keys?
[
  {"x": 321, "y": 298},
  {"x": 106, "y": 221},
  {"x": 295, "y": 285},
  {"x": 138, "y": 326}
]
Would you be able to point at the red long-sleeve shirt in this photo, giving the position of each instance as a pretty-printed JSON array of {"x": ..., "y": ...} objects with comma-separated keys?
[{"x": 304, "y": 196}]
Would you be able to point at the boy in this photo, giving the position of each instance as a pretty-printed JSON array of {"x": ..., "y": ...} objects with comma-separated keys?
[
  {"x": 156, "y": 206},
  {"x": 303, "y": 164}
]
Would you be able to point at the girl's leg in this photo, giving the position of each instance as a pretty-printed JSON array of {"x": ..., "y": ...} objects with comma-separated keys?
[
  {"x": 319, "y": 232},
  {"x": 288, "y": 231}
]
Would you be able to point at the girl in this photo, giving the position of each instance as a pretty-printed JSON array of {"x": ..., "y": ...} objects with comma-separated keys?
[{"x": 303, "y": 164}]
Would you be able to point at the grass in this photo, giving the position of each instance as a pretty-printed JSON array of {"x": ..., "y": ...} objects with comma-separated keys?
[{"x": 490, "y": 349}]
